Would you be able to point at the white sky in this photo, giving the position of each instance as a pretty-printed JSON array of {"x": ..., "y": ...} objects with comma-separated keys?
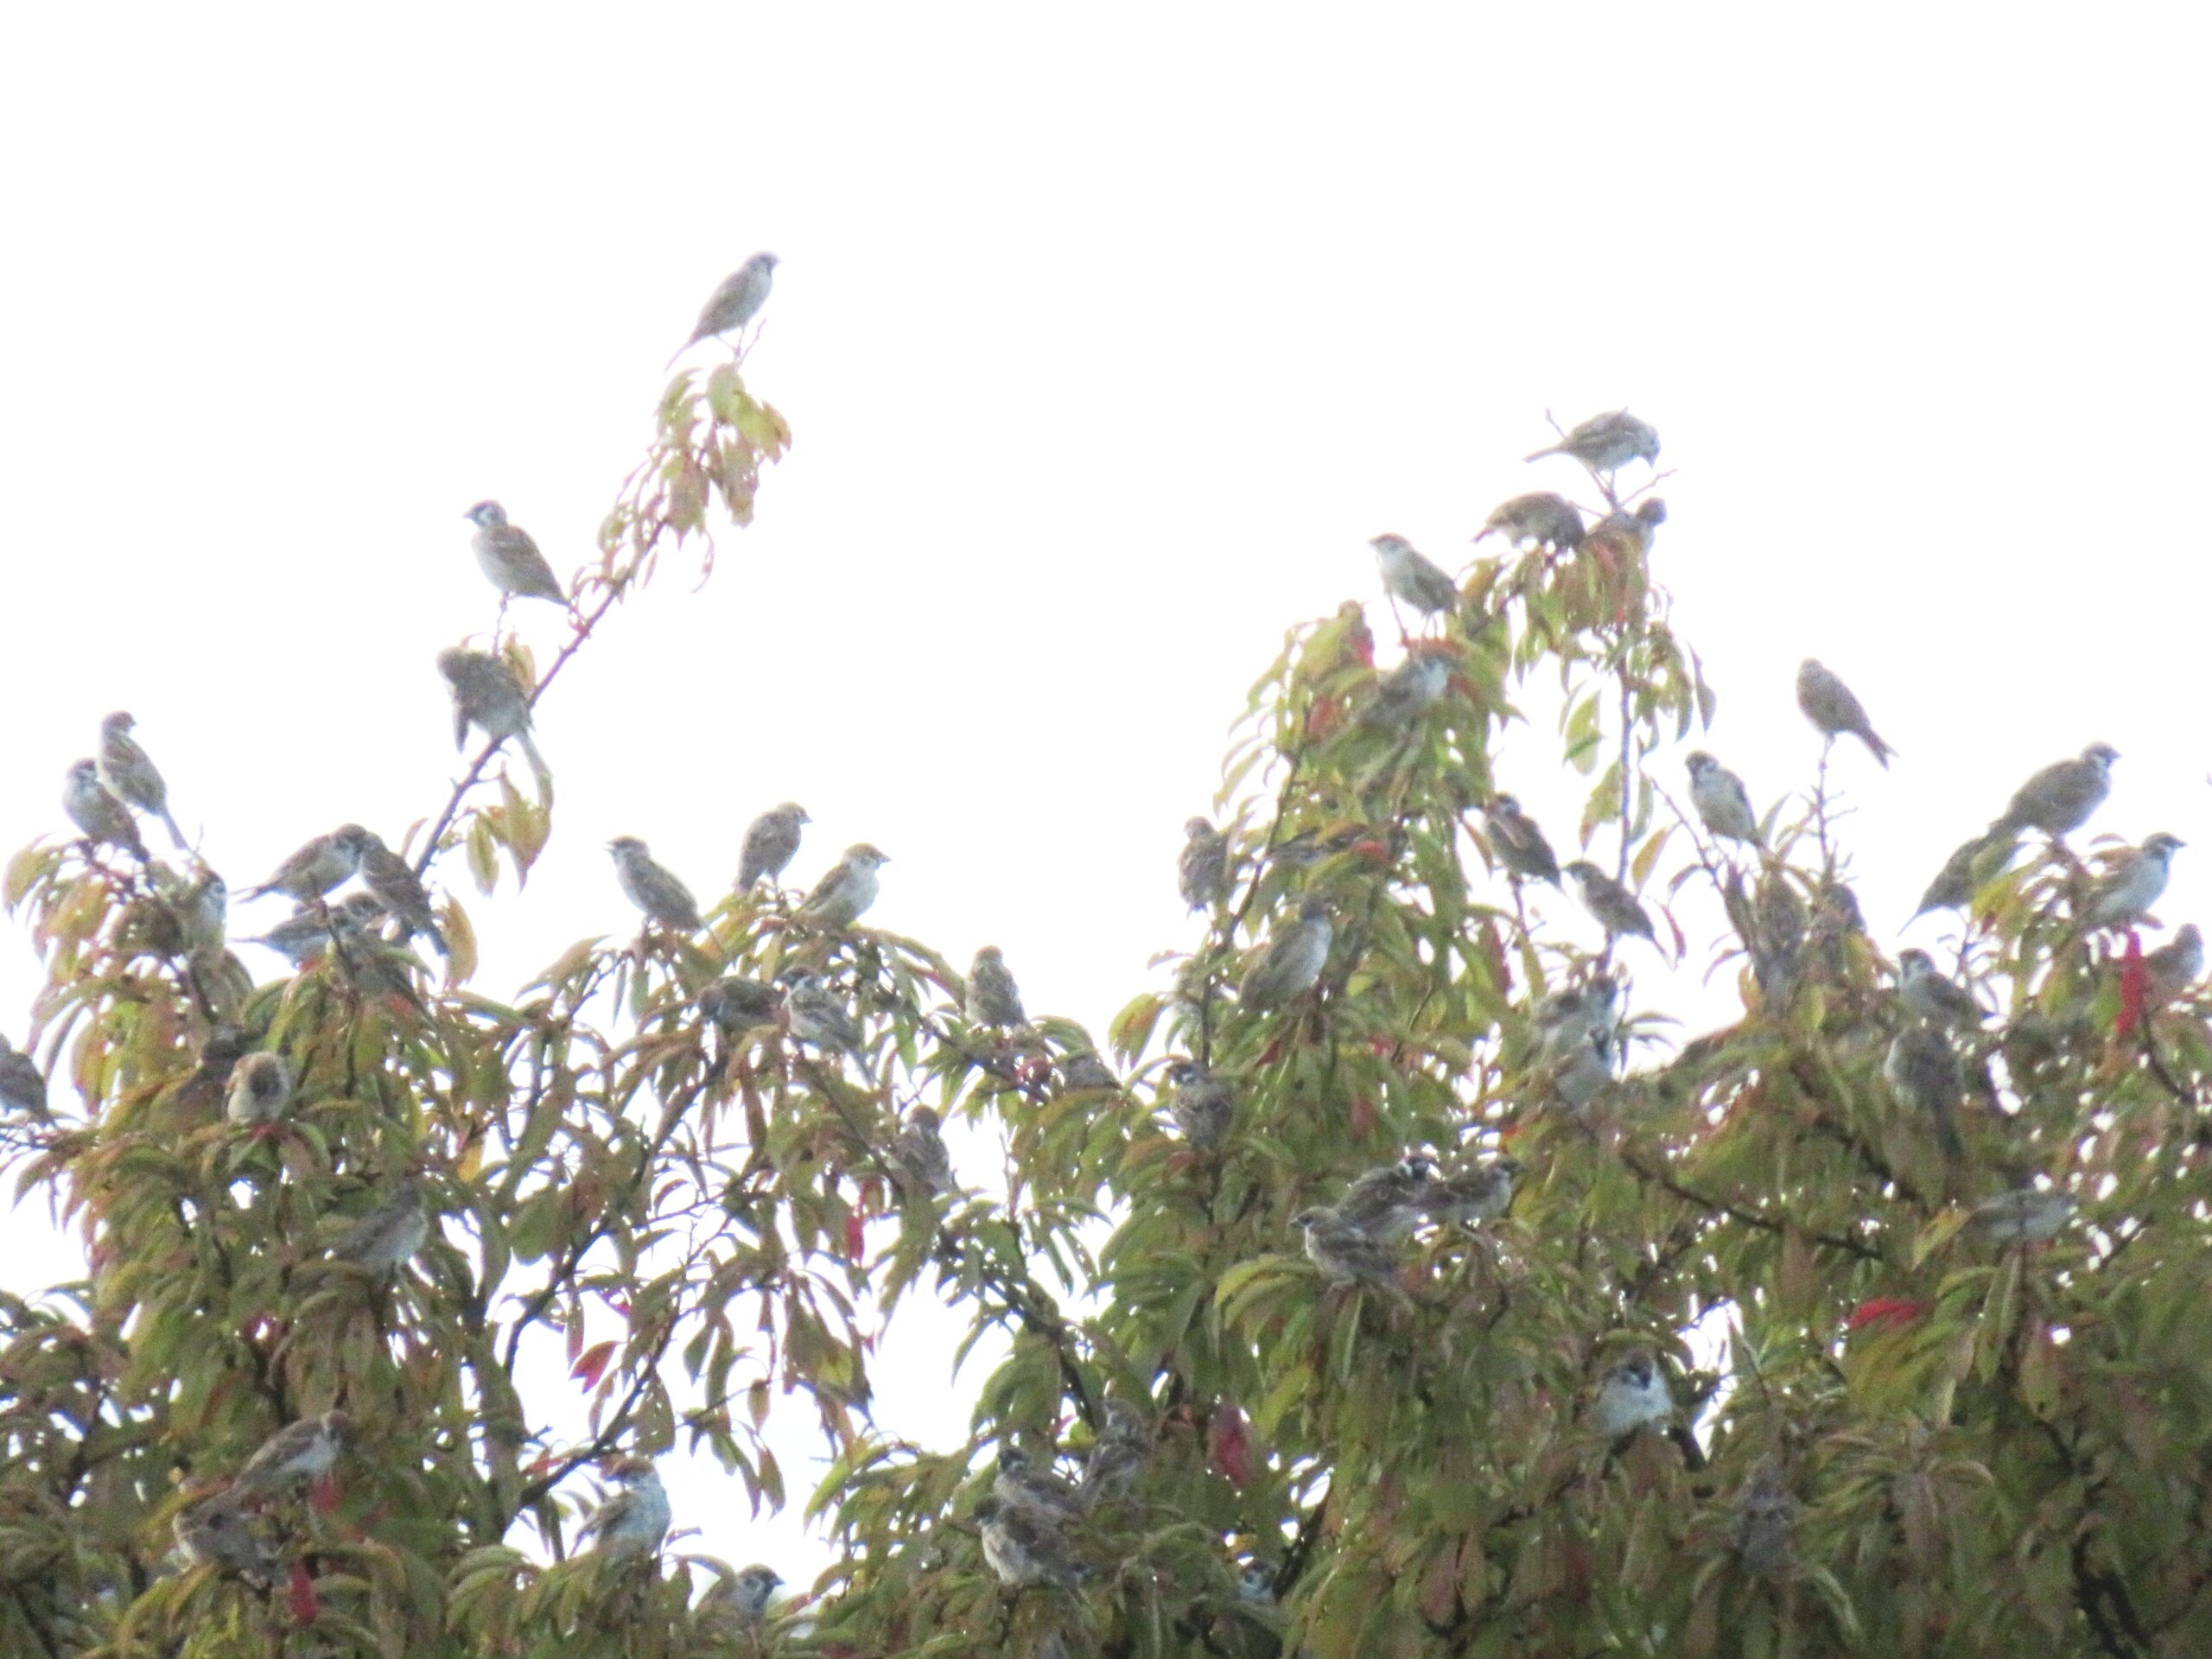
[{"x": 1106, "y": 344}]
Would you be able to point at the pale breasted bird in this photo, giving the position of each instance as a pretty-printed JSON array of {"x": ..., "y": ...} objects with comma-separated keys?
[
  {"x": 1921, "y": 1069},
  {"x": 1970, "y": 861},
  {"x": 1201, "y": 1106},
  {"x": 2025, "y": 1215},
  {"x": 847, "y": 889},
  {"x": 919, "y": 1152},
  {"x": 203, "y": 909},
  {"x": 1480, "y": 1192},
  {"x": 509, "y": 557},
  {"x": 261, "y": 1087},
  {"x": 737, "y": 299},
  {"x": 1634, "y": 1395},
  {"x": 1202, "y": 871},
  {"x": 1409, "y": 576},
  {"x": 1780, "y": 924},
  {"x": 392, "y": 1231},
  {"x": 817, "y": 1016},
  {"x": 1723, "y": 805},
  {"x": 1928, "y": 993},
  {"x": 307, "y": 1450},
  {"x": 391, "y": 881},
  {"x": 653, "y": 890},
  {"x": 1517, "y": 843},
  {"x": 2176, "y": 964},
  {"x": 1586, "y": 1068},
  {"x": 1023, "y": 1548},
  {"x": 214, "y": 1532},
  {"x": 735, "y": 1002},
  {"x": 1020, "y": 1483},
  {"x": 1256, "y": 1585},
  {"x": 1605, "y": 443},
  {"x": 23, "y": 1086},
  {"x": 487, "y": 695},
  {"x": 129, "y": 773},
  {"x": 308, "y": 933},
  {"x": 1345, "y": 1254},
  {"x": 994, "y": 998},
  {"x": 99, "y": 817},
  {"x": 744, "y": 1594},
  {"x": 1616, "y": 909},
  {"x": 1765, "y": 1510},
  {"x": 1388, "y": 1201},
  {"x": 1569, "y": 1017},
  {"x": 771, "y": 843},
  {"x": 1624, "y": 534},
  {"x": 1117, "y": 1457},
  {"x": 1833, "y": 710},
  {"x": 317, "y": 866},
  {"x": 1290, "y": 964},
  {"x": 634, "y": 1517},
  {"x": 1084, "y": 1071},
  {"x": 1538, "y": 519},
  {"x": 1408, "y": 690},
  {"x": 2133, "y": 883},
  {"x": 2059, "y": 799}
]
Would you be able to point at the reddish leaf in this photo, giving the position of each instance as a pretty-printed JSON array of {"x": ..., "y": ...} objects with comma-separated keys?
[
  {"x": 592, "y": 1364},
  {"x": 1323, "y": 718},
  {"x": 1884, "y": 1310},
  {"x": 301, "y": 1594},
  {"x": 1363, "y": 1117},
  {"x": 323, "y": 1493},
  {"x": 855, "y": 1233},
  {"x": 1229, "y": 1446},
  {"x": 2134, "y": 988},
  {"x": 872, "y": 1196}
]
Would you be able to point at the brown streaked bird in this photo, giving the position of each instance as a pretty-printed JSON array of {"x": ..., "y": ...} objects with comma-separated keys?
[
  {"x": 1410, "y": 576},
  {"x": 320, "y": 865},
  {"x": 1200, "y": 1106},
  {"x": 509, "y": 557},
  {"x": 1539, "y": 518},
  {"x": 391, "y": 881},
  {"x": 993, "y": 998},
  {"x": 1833, "y": 710},
  {"x": 1605, "y": 443},
  {"x": 129, "y": 773},
  {"x": 1347, "y": 1254},
  {"x": 392, "y": 1231},
  {"x": 847, "y": 889},
  {"x": 1202, "y": 870},
  {"x": 23, "y": 1085},
  {"x": 919, "y": 1152},
  {"x": 1517, "y": 843},
  {"x": 771, "y": 842},
  {"x": 1970, "y": 860},
  {"x": 634, "y": 1519},
  {"x": 652, "y": 888},
  {"x": 2176, "y": 964},
  {"x": 1290, "y": 963},
  {"x": 306, "y": 1450},
  {"x": 737, "y": 299},
  {"x": 99, "y": 817},
  {"x": 1924, "y": 989},
  {"x": 1921, "y": 1069},
  {"x": 214, "y": 1532},
  {"x": 261, "y": 1087},
  {"x": 1466, "y": 1197},
  {"x": 2059, "y": 799},
  {"x": 1616, "y": 909},
  {"x": 486, "y": 694}
]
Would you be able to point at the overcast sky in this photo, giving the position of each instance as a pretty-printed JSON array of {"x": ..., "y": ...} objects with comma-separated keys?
[{"x": 1106, "y": 345}]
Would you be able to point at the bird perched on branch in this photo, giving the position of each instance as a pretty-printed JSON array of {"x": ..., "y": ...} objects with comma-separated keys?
[
  {"x": 487, "y": 695},
  {"x": 2176, "y": 964},
  {"x": 1388, "y": 1201},
  {"x": 1082, "y": 1069},
  {"x": 509, "y": 557},
  {"x": 817, "y": 1016},
  {"x": 1954, "y": 884},
  {"x": 652, "y": 889},
  {"x": 1540, "y": 519},
  {"x": 319, "y": 865},
  {"x": 1117, "y": 1457},
  {"x": 1408, "y": 690},
  {"x": 23, "y": 1085},
  {"x": 2026, "y": 1215},
  {"x": 737, "y": 299},
  {"x": 1833, "y": 710},
  {"x": 1202, "y": 871},
  {"x": 99, "y": 817},
  {"x": 1927, "y": 994},
  {"x": 1517, "y": 843},
  {"x": 129, "y": 773},
  {"x": 1634, "y": 1393},
  {"x": 1921, "y": 1069},
  {"x": 741, "y": 1597},
  {"x": 735, "y": 1002},
  {"x": 2132, "y": 884},
  {"x": 1290, "y": 964},
  {"x": 1605, "y": 443},
  {"x": 391, "y": 881},
  {"x": 1616, "y": 909},
  {"x": 2059, "y": 799},
  {"x": 392, "y": 1231},
  {"x": 306, "y": 1450},
  {"x": 847, "y": 889},
  {"x": 994, "y": 998},
  {"x": 771, "y": 842},
  {"x": 261, "y": 1087},
  {"x": 1409, "y": 576},
  {"x": 1478, "y": 1193},
  {"x": 310, "y": 932},
  {"x": 1020, "y": 1483},
  {"x": 1201, "y": 1106},
  {"x": 214, "y": 1532},
  {"x": 1025, "y": 1548},
  {"x": 1345, "y": 1253},
  {"x": 634, "y": 1519},
  {"x": 919, "y": 1152},
  {"x": 1723, "y": 805}
]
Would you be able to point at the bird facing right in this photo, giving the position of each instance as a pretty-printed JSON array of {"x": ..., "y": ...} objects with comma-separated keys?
[
  {"x": 654, "y": 890},
  {"x": 1833, "y": 710},
  {"x": 509, "y": 557},
  {"x": 737, "y": 299},
  {"x": 771, "y": 842},
  {"x": 1605, "y": 443},
  {"x": 847, "y": 889}
]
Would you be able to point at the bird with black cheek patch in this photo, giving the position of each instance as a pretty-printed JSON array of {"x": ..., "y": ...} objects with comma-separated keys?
[
  {"x": 2132, "y": 884},
  {"x": 1927, "y": 993}
]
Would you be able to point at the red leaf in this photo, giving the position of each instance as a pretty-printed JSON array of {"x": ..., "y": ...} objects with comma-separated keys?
[
  {"x": 2134, "y": 988},
  {"x": 1363, "y": 1117},
  {"x": 1324, "y": 717},
  {"x": 872, "y": 1196},
  {"x": 1229, "y": 1446},
  {"x": 855, "y": 1234},
  {"x": 1884, "y": 1310},
  {"x": 300, "y": 1593},
  {"x": 592, "y": 1364},
  {"x": 322, "y": 1494}
]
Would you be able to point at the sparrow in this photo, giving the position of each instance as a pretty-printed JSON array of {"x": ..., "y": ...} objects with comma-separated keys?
[
  {"x": 1922, "y": 1071},
  {"x": 734, "y": 302},
  {"x": 1118, "y": 1456},
  {"x": 919, "y": 1154},
  {"x": 127, "y": 772},
  {"x": 817, "y": 1016},
  {"x": 2026, "y": 1215},
  {"x": 99, "y": 817},
  {"x": 1478, "y": 1193},
  {"x": 1290, "y": 964},
  {"x": 1954, "y": 884},
  {"x": 1539, "y": 519},
  {"x": 1201, "y": 1106},
  {"x": 261, "y": 1087},
  {"x": 653, "y": 890},
  {"x": 1566, "y": 1020},
  {"x": 1517, "y": 843},
  {"x": 847, "y": 889},
  {"x": 2176, "y": 964},
  {"x": 1409, "y": 576},
  {"x": 306, "y": 936},
  {"x": 214, "y": 1532},
  {"x": 771, "y": 842},
  {"x": 1388, "y": 1200},
  {"x": 23, "y": 1086},
  {"x": 509, "y": 558},
  {"x": 1634, "y": 1393},
  {"x": 1256, "y": 1585},
  {"x": 1605, "y": 443},
  {"x": 1583, "y": 1070},
  {"x": 1202, "y": 871},
  {"x": 1776, "y": 936},
  {"x": 203, "y": 909},
  {"x": 306, "y": 1450},
  {"x": 1766, "y": 1511},
  {"x": 2128, "y": 889},
  {"x": 993, "y": 997},
  {"x": 391, "y": 881},
  {"x": 391, "y": 1231},
  {"x": 323, "y": 863},
  {"x": 1723, "y": 805},
  {"x": 1829, "y": 704},
  {"x": 1023, "y": 1548},
  {"x": 1617, "y": 909},
  {"x": 743, "y": 1595},
  {"x": 1346, "y": 1254},
  {"x": 1624, "y": 534},
  {"x": 1408, "y": 690},
  {"x": 634, "y": 1518},
  {"x": 1085, "y": 1070},
  {"x": 2059, "y": 799},
  {"x": 487, "y": 695},
  {"x": 733, "y": 1003},
  {"x": 1934, "y": 998},
  {"x": 1020, "y": 1483}
]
